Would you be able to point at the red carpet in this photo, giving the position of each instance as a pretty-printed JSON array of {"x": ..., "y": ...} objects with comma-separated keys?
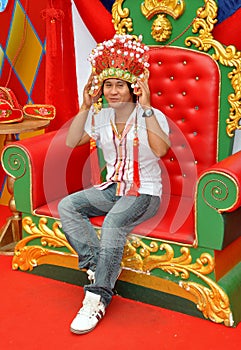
[{"x": 36, "y": 313}]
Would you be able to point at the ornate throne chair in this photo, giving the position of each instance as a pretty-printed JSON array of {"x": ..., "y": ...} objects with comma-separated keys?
[{"x": 188, "y": 257}]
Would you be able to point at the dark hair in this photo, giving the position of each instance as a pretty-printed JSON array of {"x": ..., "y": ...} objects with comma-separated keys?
[
  {"x": 132, "y": 92},
  {"x": 134, "y": 96}
]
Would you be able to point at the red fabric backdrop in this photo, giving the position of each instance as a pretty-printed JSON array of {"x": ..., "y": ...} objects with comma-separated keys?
[
  {"x": 97, "y": 19},
  {"x": 228, "y": 31},
  {"x": 60, "y": 81}
]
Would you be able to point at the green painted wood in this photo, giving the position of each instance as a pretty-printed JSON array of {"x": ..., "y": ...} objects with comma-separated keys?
[
  {"x": 231, "y": 284},
  {"x": 17, "y": 164},
  {"x": 216, "y": 191}
]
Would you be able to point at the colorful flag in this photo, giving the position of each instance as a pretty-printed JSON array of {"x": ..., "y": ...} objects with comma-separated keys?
[{"x": 227, "y": 30}]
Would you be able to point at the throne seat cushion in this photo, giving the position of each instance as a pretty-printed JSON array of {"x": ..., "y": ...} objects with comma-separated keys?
[{"x": 177, "y": 226}]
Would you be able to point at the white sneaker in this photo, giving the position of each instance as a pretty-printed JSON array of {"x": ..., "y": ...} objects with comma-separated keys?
[{"x": 89, "y": 315}]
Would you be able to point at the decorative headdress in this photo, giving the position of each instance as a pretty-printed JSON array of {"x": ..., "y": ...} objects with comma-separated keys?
[{"x": 123, "y": 57}]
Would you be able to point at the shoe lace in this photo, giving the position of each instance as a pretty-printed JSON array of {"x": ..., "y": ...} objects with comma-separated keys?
[
  {"x": 91, "y": 276},
  {"x": 89, "y": 309}
]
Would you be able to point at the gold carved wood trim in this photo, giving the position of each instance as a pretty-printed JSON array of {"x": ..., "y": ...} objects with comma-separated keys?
[
  {"x": 210, "y": 298},
  {"x": 174, "y": 8},
  {"x": 138, "y": 257},
  {"x": 161, "y": 26},
  {"x": 120, "y": 18},
  {"x": 227, "y": 56}
]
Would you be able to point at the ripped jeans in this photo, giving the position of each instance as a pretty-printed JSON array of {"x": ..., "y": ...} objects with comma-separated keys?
[{"x": 104, "y": 255}]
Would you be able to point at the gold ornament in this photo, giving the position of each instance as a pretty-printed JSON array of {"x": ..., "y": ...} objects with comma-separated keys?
[{"x": 161, "y": 28}]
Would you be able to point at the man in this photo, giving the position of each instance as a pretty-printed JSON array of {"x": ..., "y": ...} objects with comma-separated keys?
[{"x": 133, "y": 136}]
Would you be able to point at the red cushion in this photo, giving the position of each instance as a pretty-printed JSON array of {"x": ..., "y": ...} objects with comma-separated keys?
[{"x": 177, "y": 226}]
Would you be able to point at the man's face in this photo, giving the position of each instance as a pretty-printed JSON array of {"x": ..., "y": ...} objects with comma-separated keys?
[{"x": 116, "y": 92}]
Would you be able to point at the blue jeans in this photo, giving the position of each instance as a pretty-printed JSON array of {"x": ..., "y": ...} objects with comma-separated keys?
[{"x": 103, "y": 255}]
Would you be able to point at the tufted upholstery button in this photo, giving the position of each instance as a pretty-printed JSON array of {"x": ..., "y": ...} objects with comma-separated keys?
[
  {"x": 182, "y": 100},
  {"x": 184, "y": 175}
]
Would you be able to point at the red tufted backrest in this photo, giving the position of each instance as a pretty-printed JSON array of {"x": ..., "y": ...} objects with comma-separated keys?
[{"x": 185, "y": 86}]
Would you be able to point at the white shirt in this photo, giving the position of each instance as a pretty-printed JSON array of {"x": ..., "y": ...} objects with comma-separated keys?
[{"x": 118, "y": 153}]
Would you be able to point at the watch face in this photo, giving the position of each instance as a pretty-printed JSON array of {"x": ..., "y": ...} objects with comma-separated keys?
[{"x": 149, "y": 112}]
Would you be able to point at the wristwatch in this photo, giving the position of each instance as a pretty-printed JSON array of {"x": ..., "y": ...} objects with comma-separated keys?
[{"x": 148, "y": 113}]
